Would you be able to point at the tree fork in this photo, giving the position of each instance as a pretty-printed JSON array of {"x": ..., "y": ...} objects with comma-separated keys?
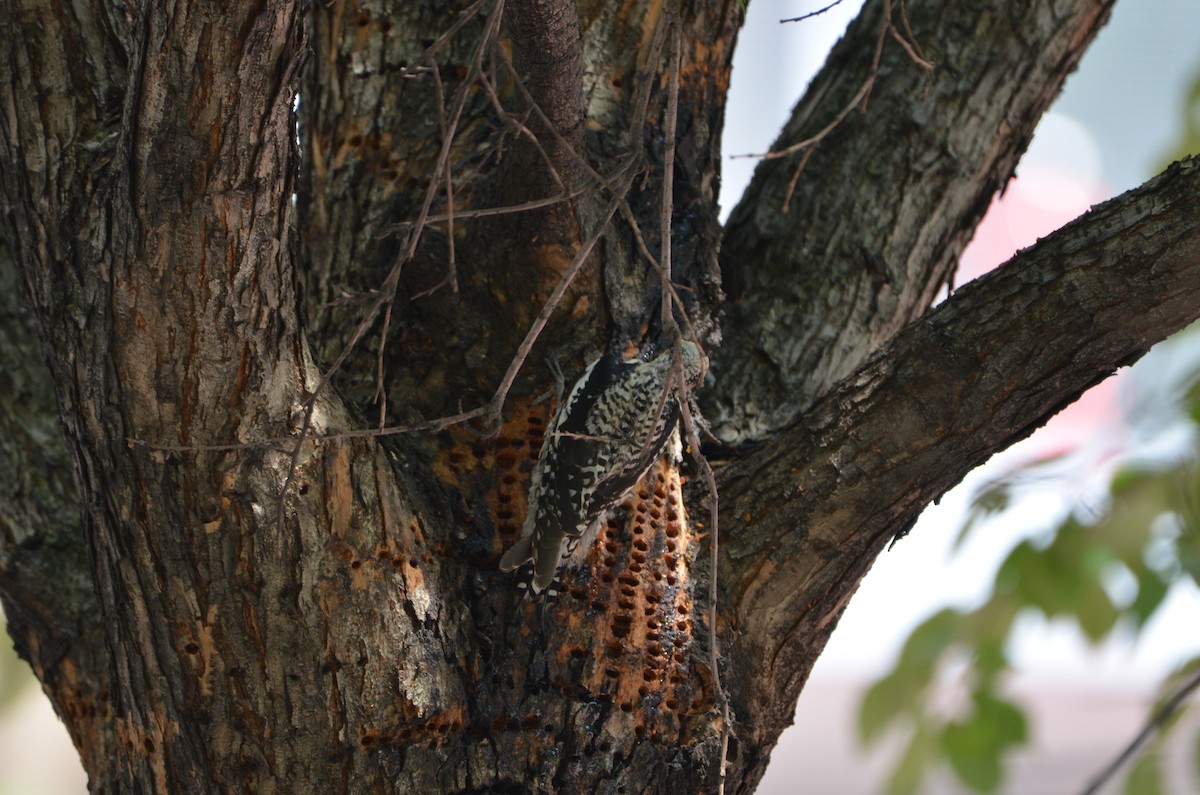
[
  {"x": 818, "y": 288},
  {"x": 353, "y": 634},
  {"x": 808, "y": 514}
]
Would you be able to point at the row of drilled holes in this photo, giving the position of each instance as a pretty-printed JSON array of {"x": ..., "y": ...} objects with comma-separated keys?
[
  {"x": 515, "y": 456},
  {"x": 643, "y": 583}
]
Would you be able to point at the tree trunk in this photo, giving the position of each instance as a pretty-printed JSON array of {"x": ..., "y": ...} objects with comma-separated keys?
[{"x": 299, "y": 357}]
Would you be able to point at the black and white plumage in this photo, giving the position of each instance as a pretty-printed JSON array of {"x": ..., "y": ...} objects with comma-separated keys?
[{"x": 612, "y": 426}]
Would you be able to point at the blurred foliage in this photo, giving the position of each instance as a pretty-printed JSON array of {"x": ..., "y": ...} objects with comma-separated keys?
[
  {"x": 1189, "y": 143},
  {"x": 1146, "y": 775},
  {"x": 1104, "y": 571}
]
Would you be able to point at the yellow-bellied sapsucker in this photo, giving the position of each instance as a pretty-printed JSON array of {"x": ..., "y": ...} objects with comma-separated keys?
[{"x": 612, "y": 426}]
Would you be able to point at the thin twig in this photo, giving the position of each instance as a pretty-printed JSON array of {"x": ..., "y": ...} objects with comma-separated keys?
[
  {"x": 508, "y": 209},
  {"x": 580, "y": 161},
  {"x": 449, "y": 176},
  {"x": 908, "y": 32},
  {"x": 1156, "y": 721},
  {"x": 911, "y": 48},
  {"x": 714, "y": 550},
  {"x": 795, "y": 178},
  {"x": 812, "y": 14},
  {"x": 449, "y": 128},
  {"x": 859, "y": 96},
  {"x": 669, "y": 324},
  {"x": 670, "y": 126},
  {"x": 645, "y": 86},
  {"x": 618, "y": 184},
  {"x": 465, "y": 16},
  {"x": 859, "y": 100},
  {"x": 511, "y": 120}
]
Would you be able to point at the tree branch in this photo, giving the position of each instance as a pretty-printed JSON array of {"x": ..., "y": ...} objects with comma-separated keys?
[
  {"x": 1154, "y": 724},
  {"x": 62, "y": 103},
  {"x": 806, "y": 515},
  {"x": 815, "y": 290},
  {"x": 46, "y": 586},
  {"x": 548, "y": 55}
]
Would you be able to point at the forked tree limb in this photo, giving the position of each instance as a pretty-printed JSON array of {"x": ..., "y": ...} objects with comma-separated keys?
[
  {"x": 805, "y": 516},
  {"x": 816, "y": 289},
  {"x": 367, "y": 639}
]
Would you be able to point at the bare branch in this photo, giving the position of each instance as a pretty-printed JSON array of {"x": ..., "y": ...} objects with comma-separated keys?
[
  {"x": 560, "y": 290},
  {"x": 857, "y": 101},
  {"x": 1156, "y": 721},
  {"x": 812, "y": 14}
]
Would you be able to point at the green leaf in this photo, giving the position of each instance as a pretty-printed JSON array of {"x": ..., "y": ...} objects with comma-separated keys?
[
  {"x": 976, "y": 746},
  {"x": 1012, "y": 570},
  {"x": 1007, "y": 720},
  {"x": 1140, "y": 494},
  {"x": 991, "y": 623},
  {"x": 1148, "y": 534},
  {"x": 930, "y": 640},
  {"x": 898, "y": 695},
  {"x": 991, "y": 500},
  {"x": 1128, "y": 478},
  {"x": 1145, "y": 777},
  {"x": 1063, "y": 579},
  {"x": 1168, "y": 691},
  {"x": 990, "y": 659},
  {"x": 1188, "y": 546},
  {"x": 885, "y": 702},
  {"x": 901, "y": 692},
  {"x": 973, "y": 762},
  {"x": 1152, "y": 589},
  {"x": 909, "y": 774},
  {"x": 1096, "y": 614},
  {"x": 1192, "y": 401}
]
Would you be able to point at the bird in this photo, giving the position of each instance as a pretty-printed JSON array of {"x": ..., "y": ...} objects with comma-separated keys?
[{"x": 613, "y": 425}]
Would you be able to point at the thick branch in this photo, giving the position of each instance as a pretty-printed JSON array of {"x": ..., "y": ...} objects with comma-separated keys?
[
  {"x": 886, "y": 202},
  {"x": 809, "y": 513},
  {"x": 56, "y": 102},
  {"x": 548, "y": 56},
  {"x": 45, "y": 578}
]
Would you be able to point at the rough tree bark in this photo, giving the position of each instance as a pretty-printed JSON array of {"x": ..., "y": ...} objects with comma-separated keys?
[{"x": 242, "y": 586}]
